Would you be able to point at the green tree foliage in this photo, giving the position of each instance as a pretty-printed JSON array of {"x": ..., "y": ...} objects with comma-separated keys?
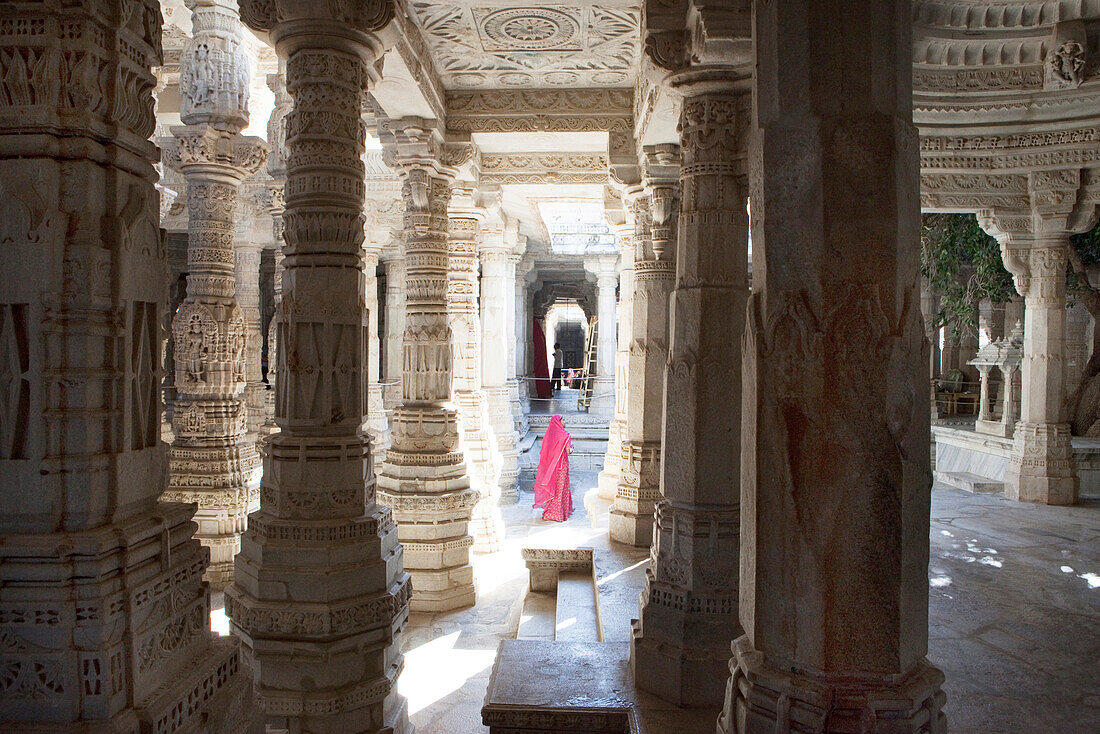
[{"x": 963, "y": 263}]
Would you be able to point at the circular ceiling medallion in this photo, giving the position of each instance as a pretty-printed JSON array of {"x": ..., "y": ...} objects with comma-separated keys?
[
  {"x": 515, "y": 79},
  {"x": 530, "y": 29},
  {"x": 561, "y": 78}
]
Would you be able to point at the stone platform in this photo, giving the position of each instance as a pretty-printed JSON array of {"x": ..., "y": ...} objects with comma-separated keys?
[
  {"x": 554, "y": 687},
  {"x": 976, "y": 462}
]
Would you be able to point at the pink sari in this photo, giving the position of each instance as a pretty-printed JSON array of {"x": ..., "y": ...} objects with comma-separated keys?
[{"x": 552, "y": 479}]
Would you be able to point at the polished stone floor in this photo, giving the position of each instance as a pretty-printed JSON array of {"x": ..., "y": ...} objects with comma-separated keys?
[{"x": 1014, "y": 615}]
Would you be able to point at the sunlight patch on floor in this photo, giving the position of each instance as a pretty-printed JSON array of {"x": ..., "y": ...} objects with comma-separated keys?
[{"x": 437, "y": 669}]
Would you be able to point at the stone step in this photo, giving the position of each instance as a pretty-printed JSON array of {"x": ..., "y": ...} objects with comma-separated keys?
[
  {"x": 536, "y": 621},
  {"x": 577, "y": 618},
  {"x": 970, "y": 482}
]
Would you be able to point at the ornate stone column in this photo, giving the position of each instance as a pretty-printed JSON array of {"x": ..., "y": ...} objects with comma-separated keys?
[
  {"x": 835, "y": 471},
  {"x": 606, "y": 270},
  {"x": 103, "y": 610},
  {"x": 424, "y": 477},
  {"x": 393, "y": 359},
  {"x": 1034, "y": 247},
  {"x": 276, "y": 167},
  {"x": 247, "y": 251},
  {"x": 377, "y": 425},
  {"x": 497, "y": 317},
  {"x": 320, "y": 594},
  {"x": 688, "y": 614},
  {"x": 631, "y": 518},
  {"x": 521, "y": 399},
  {"x": 483, "y": 460},
  {"x": 610, "y": 475},
  {"x": 212, "y": 460}
]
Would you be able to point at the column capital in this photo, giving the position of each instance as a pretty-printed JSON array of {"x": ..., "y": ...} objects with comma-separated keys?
[
  {"x": 203, "y": 149},
  {"x": 603, "y": 267},
  {"x": 362, "y": 27}
]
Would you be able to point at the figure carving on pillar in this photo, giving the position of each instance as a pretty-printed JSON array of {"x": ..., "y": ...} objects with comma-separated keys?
[{"x": 211, "y": 460}]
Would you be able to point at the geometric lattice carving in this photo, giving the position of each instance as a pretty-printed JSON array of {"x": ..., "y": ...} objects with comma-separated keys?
[
  {"x": 15, "y": 386},
  {"x": 144, "y": 351}
]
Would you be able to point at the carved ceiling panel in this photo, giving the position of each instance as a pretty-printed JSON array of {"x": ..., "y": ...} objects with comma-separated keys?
[{"x": 478, "y": 45}]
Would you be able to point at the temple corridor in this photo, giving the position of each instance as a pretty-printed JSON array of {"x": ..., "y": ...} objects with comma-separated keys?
[{"x": 602, "y": 366}]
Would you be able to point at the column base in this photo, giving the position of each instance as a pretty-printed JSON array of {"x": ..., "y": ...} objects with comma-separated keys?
[
  {"x": 107, "y": 630},
  {"x": 432, "y": 501},
  {"x": 611, "y": 474},
  {"x": 631, "y": 518},
  {"x": 763, "y": 698},
  {"x": 685, "y": 677},
  {"x": 607, "y": 482},
  {"x": 1040, "y": 468},
  {"x": 688, "y": 607},
  {"x": 630, "y": 528}
]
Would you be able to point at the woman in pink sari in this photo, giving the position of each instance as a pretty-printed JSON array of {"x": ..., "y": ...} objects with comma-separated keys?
[{"x": 552, "y": 480}]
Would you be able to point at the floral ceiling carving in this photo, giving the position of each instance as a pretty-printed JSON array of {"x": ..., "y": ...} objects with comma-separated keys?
[{"x": 574, "y": 45}]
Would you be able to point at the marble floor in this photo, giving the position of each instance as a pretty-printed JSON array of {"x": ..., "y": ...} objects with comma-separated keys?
[{"x": 1014, "y": 615}]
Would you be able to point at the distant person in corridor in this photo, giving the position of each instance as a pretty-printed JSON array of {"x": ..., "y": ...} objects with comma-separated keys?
[{"x": 559, "y": 356}]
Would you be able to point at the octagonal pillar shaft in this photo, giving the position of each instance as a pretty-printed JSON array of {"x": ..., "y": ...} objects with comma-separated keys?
[{"x": 835, "y": 472}]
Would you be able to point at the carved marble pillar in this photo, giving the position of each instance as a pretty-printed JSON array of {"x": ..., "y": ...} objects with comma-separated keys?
[
  {"x": 521, "y": 398},
  {"x": 606, "y": 270},
  {"x": 377, "y": 425},
  {"x": 393, "y": 359},
  {"x": 483, "y": 460},
  {"x": 247, "y": 252},
  {"x": 631, "y": 517},
  {"x": 276, "y": 167},
  {"x": 610, "y": 475},
  {"x": 929, "y": 308},
  {"x": 1034, "y": 247},
  {"x": 103, "y": 610},
  {"x": 212, "y": 460},
  {"x": 424, "y": 477},
  {"x": 320, "y": 595},
  {"x": 835, "y": 471},
  {"x": 688, "y": 614},
  {"x": 515, "y": 294},
  {"x": 497, "y": 315}
]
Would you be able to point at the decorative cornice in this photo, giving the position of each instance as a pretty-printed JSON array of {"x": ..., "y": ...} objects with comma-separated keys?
[
  {"x": 531, "y": 168},
  {"x": 566, "y": 110}
]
